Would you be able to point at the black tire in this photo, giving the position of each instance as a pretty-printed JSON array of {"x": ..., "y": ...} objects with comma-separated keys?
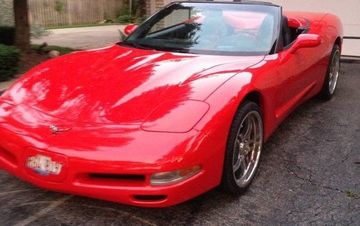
[
  {"x": 229, "y": 182},
  {"x": 327, "y": 91}
]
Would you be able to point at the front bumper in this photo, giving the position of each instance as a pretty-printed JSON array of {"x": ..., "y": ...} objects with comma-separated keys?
[
  {"x": 78, "y": 177},
  {"x": 113, "y": 164}
]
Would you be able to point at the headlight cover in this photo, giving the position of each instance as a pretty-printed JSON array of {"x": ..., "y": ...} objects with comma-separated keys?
[
  {"x": 172, "y": 177},
  {"x": 175, "y": 116}
]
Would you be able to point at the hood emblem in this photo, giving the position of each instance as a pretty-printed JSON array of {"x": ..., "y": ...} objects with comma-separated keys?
[{"x": 55, "y": 129}]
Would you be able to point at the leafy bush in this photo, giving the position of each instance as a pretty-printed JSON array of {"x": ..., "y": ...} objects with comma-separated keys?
[
  {"x": 138, "y": 13},
  {"x": 124, "y": 19},
  {"x": 7, "y": 35},
  {"x": 9, "y": 58},
  {"x": 123, "y": 16},
  {"x": 59, "y": 6}
]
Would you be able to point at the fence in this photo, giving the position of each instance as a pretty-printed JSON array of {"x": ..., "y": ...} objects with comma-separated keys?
[{"x": 71, "y": 12}]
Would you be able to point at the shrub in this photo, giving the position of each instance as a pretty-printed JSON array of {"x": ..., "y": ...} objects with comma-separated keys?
[
  {"x": 124, "y": 19},
  {"x": 9, "y": 58},
  {"x": 7, "y": 35},
  {"x": 123, "y": 16}
]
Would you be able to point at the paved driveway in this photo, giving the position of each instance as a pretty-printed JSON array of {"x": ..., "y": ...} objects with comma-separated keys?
[
  {"x": 82, "y": 37},
  {"x": 310, "y": 175}
]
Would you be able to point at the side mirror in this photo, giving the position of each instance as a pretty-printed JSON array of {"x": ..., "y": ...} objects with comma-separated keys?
[
  {"x": 306, "y": 41},
  {"x": 130, "y": 29}
]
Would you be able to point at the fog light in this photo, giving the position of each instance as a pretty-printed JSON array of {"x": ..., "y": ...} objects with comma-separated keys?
[{"x": 172, "y": 177}]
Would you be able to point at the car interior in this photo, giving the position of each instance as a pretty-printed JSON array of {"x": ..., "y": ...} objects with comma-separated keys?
[
  {"x": 240, "y": 29},
  {"x": 289, "y": 33},
  {"x": 223, "y": 31}
]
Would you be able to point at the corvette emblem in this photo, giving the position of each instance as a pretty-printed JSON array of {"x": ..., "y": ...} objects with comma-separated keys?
[
  {"x": 55, "y": 129},
  {"x": 43, "y": 165}
]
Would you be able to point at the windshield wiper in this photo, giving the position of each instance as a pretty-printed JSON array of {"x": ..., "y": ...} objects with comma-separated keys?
[
  {"x": 172, "y": 49},
  {"x": 134, "y": 44},
  {"x": 159, "y": 48}
]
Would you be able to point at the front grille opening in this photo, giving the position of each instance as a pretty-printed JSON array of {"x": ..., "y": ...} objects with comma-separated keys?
[
  {"x": 130, "y": 177},
  {"x": 150, "y": 198},
  {"x": 114, "y": 180},
  {"x": 8, "y": 157}
]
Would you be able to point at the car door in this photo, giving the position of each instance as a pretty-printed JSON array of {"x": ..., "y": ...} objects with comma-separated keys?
[{"x": 297, "y": 72}]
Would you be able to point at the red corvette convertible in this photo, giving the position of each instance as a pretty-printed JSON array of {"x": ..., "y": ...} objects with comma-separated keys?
[{"x": 182, "y": 105}]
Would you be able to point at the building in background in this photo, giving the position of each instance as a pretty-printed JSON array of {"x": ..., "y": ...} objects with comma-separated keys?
[{"x": 348, "y": 11}]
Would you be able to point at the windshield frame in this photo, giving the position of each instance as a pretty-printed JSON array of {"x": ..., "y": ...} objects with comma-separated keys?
[{"x": 151, "y": 21}]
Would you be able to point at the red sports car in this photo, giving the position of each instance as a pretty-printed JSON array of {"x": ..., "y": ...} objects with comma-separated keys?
[{"x": 182, "y": 105}]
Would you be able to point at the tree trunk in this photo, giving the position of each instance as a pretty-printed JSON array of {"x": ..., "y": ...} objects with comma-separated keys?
[{"x": 22, "y": 25}]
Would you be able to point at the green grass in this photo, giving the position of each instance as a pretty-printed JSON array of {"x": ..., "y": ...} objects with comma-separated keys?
[
  {"x": 62, "y": 50},
  {"x": 352, "y": 194}
]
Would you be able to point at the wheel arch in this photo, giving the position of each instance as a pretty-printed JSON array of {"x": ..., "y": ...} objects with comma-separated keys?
[
  {"x": 332, "y": 28},
  {"x": 216, "y": 124},
  {"x": 254, "y": 96},
  {"x": 258, "y": 98},
  {"x": 234, "y": 94},
  {"x": 338, "y": 41}
]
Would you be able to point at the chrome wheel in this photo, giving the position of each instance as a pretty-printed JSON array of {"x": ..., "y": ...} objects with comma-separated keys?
[
  {"x": 247, "y": 148},
  {"x": 334, "y": 71}
]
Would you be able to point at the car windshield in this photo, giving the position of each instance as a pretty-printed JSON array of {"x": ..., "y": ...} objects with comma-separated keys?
[{"x": 210, "y": 28}]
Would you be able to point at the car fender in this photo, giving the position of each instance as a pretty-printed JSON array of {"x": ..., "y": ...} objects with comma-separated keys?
[{"x": 215, "y": 125}]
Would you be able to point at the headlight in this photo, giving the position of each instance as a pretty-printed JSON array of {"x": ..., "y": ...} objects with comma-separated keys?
[
  {"x": 172, "y": 177},
  {"x": 175, "y": 116}
]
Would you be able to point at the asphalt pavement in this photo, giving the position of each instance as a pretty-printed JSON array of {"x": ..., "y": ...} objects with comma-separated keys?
[{"x": 309, "y": 175}]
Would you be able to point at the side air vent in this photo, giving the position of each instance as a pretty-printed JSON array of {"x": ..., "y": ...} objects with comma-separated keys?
[
  {"x": 130, "y": 177},
  {"x": 150, "y": 198},
  {"x": 107, "y": 179}
]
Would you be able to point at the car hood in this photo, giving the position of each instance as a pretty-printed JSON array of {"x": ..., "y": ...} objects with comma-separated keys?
[{"x": 121, "y": 85}]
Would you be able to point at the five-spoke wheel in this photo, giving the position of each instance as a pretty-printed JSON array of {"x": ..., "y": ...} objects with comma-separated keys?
[
  {"x": 244, "y": 148},
  {"x": 247, "y": 148}
]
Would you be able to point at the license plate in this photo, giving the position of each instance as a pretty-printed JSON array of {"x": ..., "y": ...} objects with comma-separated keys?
[{"x": 44, "y": 165}]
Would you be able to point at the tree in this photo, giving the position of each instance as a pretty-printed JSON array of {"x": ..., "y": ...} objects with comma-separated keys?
[{"x": 22, "y": 25}]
